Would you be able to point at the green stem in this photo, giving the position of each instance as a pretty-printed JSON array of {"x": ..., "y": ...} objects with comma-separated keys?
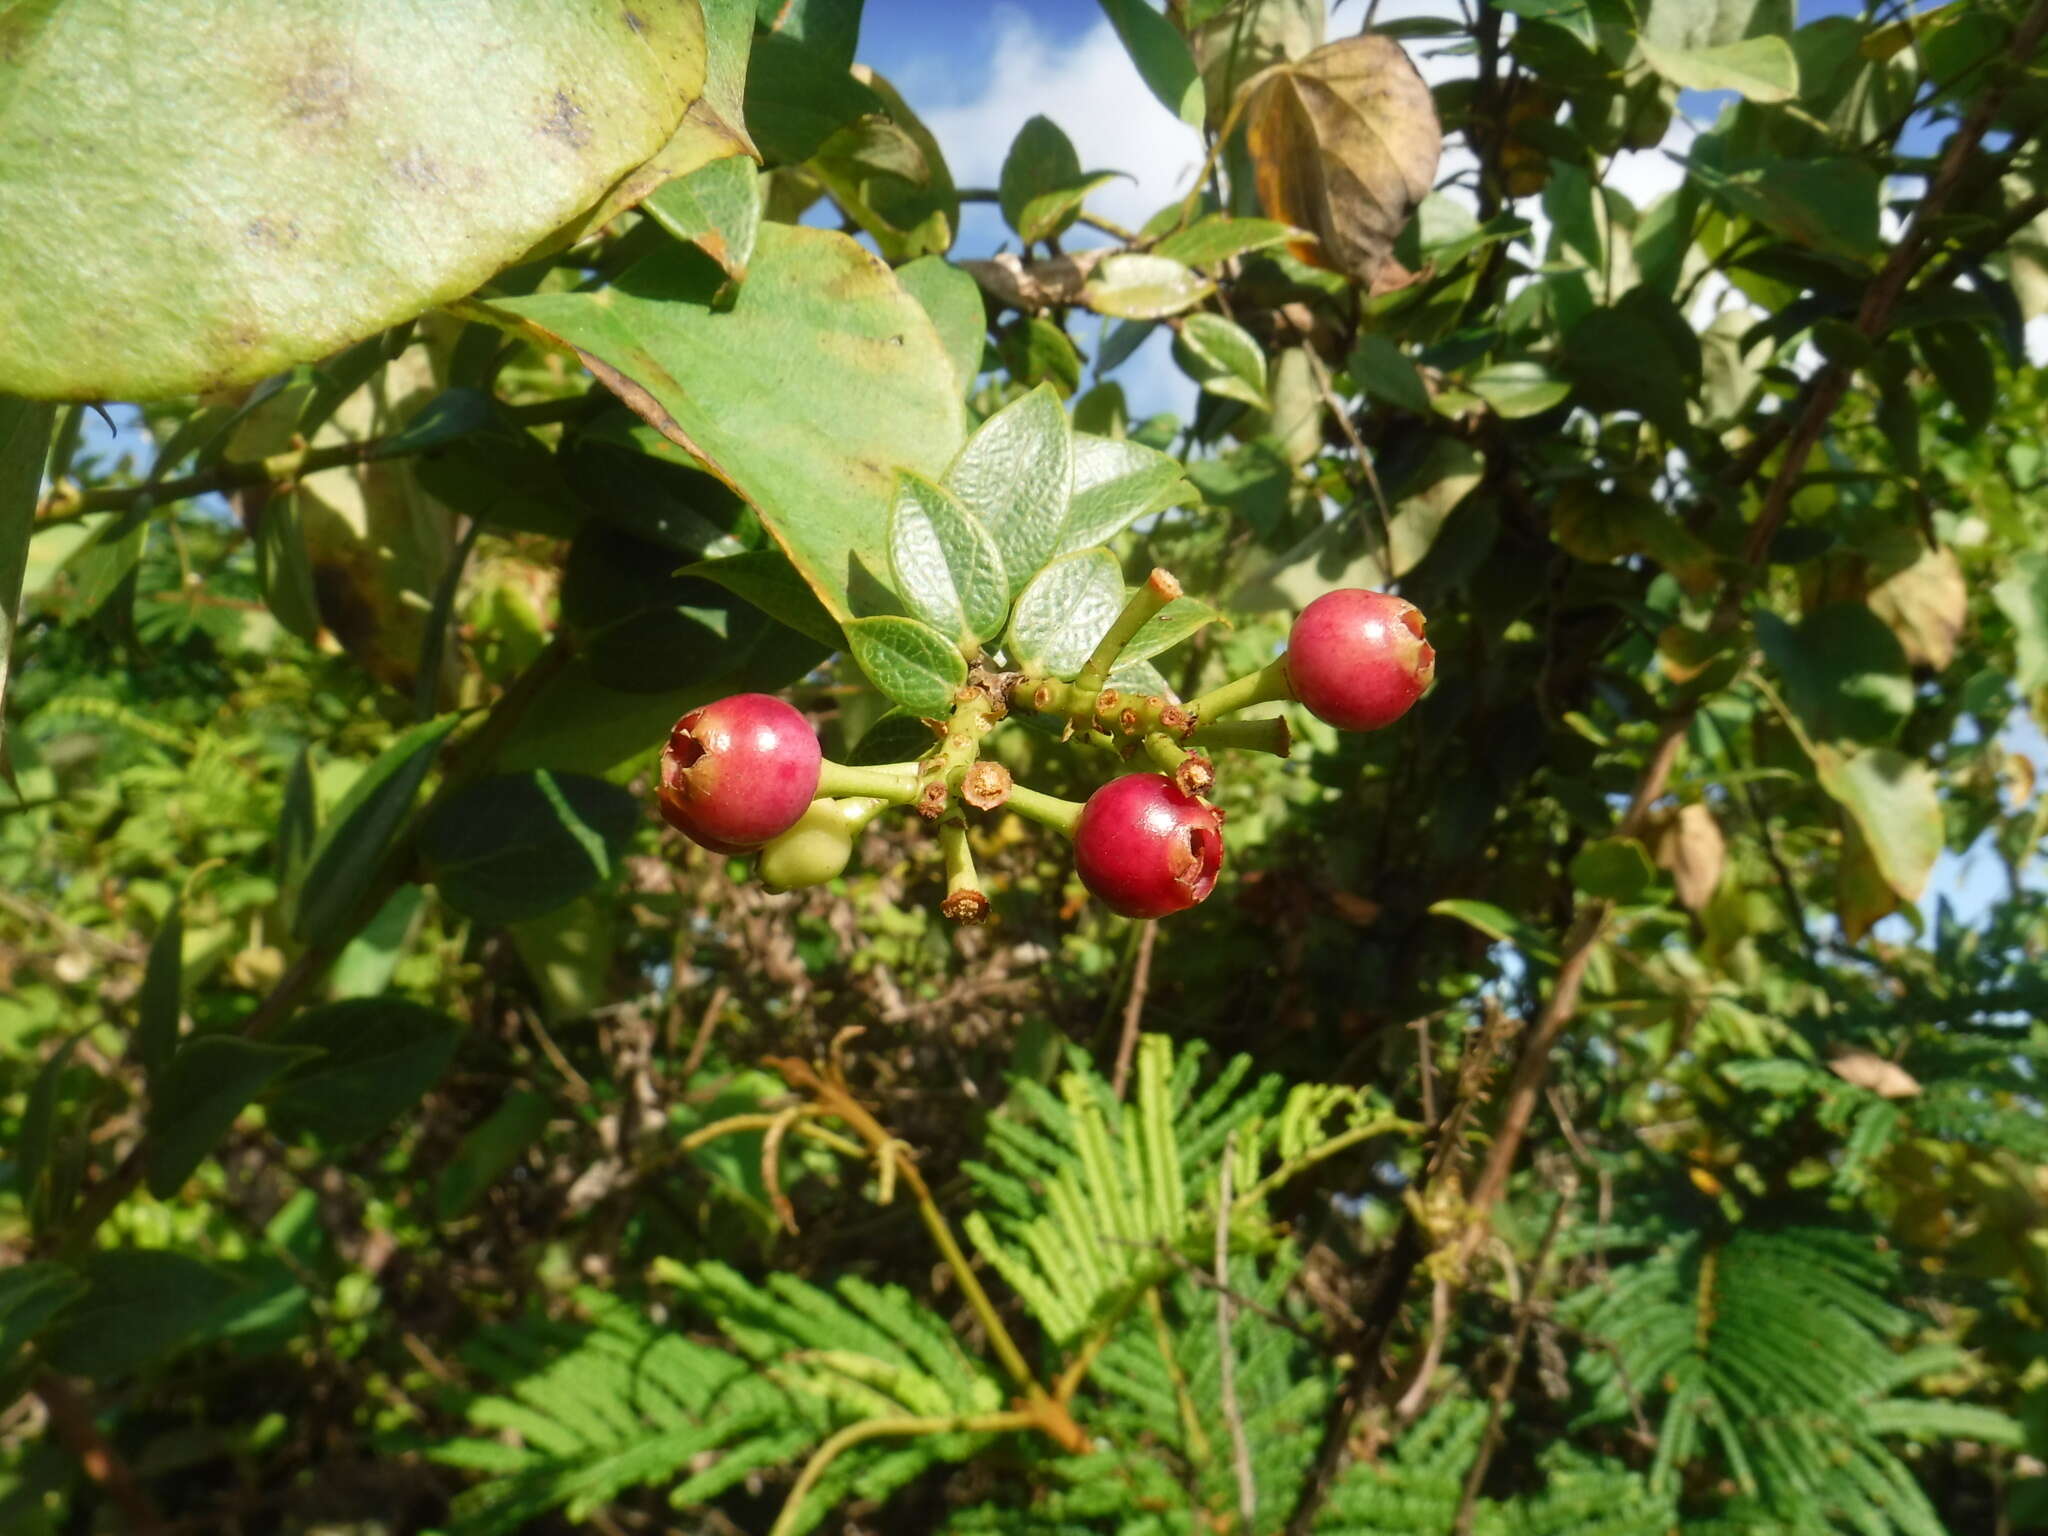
[
  {"x": 1159, "y": 589},
  {"x": 1269, "y": 735},
  {"x": 892, "y": 784},
  {"x": 1106, "y": 711},
  {"x": 1264, "y": 686},
  {"x": 873, "y": 1429},
  {"x": 964, "y": 901},
  {"x": 1046, "y": 810},
  {"x": 972, "y": 718}
]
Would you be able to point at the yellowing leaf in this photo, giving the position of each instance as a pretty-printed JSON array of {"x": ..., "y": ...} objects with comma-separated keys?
[
  {"x": 1886, "y": 1079},
  {"x": 1690, "y": 847},
  {"x": 1345, "y": 144},
  {"x": 1925, "y": 605}
]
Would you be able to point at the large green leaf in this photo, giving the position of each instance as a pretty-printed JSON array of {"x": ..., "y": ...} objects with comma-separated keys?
[
  {"x": 1760, "y": 68},
  {"x": 209, "y": 1082},
  {"x": 798, "y": 96},
  {"x": 1896, "y": 807},
  {"x": 2022, "y": 595},
  {"x": 198, "y": 192},
  {"x": 765, "y": 578},
  {"x": 946, "y": 563},
  {"x": 140, "y": 1305},
  {"x": 953, "y": 300},
  {"x": 1064, "y": 611},
  {"x": 1017, "y": 475},
  {"x": 361, "y": 830},
  {"x": 1162, "y": 56},
  {"x": 806, "y": 396},
  {"x": 518, "y": 845},
  {"x": 375, "y": 1057},
  {"x": 24, "y": 439},
  {"x": 1042, "y": 185},
  {"x": 913, "y": 663},
  {"x": 1845, "y": 673},
  {"x": 31, "y": 1295}
]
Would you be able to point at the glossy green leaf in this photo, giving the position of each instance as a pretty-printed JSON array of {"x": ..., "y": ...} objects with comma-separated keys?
[
  {"x": 140, "y": 1307},
  {"x": 211, "y": 1080},
  {"x": 1501, "y": 926},
  {"x": 1116, "y": 482},
  {"x": 1844, "y": 672},
  {"x": 517, "y": 845},
  {"x": 284, "y": 569},
  {"x": 1036, "y": 350},
  {"x": 1162, "y": 56},
  {"x": 364, "y": 968},
  {"x": 40, "y": 1171},
  {"x": 1518, "y": 389},
  {"x": 947, "y": 567},
  {"x": 1762, "y": 69},
  {"x": 1168, "y": 627},
  {"x": 1140, "y": 287},
  {"x": 31, "y": 1295},
  {"x": 1962, "y": 365},
  {"x": 1017, "y": 474},
  {"x": 2022, "y": 596},
  {"x": 1830, "y": 205},
  {"x": 1639, "y": 355},
  {"x": 160, "y": 1001},
  {"x": 953, "y": 301},
  {"x": 716, "y": 208},
  {"x": 1223, "y": 358},
  {"x": 1383, "y": 371},
  {"x": 24, "y": 440},
  {"x": 1042, "y": 186},
  {"x": 329, "y": 169},
  {"x": 765, "y": 393},
  {"x": 1896, "y": 806},
  {"x": 767, "y": 579},
  {"x": 369, "y": 1061},
  {"x": 912, "y": 663},
  {"x": 361, "y": 830},
  {"x": 484, "y": 1155},
  {"x": 1613, "y": 869},
  {"x": 829, "y": 28},
  {"x": 1064, "y": 610},
  {"x": 1218, "y": 238},
  {"x": 798, "y": 97},
  {"x": 890, "y": 177}
]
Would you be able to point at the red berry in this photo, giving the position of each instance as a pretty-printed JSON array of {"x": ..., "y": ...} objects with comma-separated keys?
[
  {"x": 1357, "y": 659},
  {"x": 739, "y": 772},
  {"x": 1145, "y": 849}
]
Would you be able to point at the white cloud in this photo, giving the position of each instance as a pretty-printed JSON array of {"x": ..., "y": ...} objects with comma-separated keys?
[{"x": 1090, "y": 89}]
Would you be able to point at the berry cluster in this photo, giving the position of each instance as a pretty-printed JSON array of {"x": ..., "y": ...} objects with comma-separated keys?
[{"x": 745, "y": 775}]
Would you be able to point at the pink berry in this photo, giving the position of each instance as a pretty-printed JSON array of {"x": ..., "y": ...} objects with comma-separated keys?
[
  {"x": 739, "y": 772},
  {"x": 1144, "y": 849},
  {"x": 1357, "y": 659}
]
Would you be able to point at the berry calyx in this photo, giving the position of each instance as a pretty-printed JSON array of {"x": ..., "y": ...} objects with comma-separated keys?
[
  {"x": 1358, "y": 659},
  {"x": 1145, "y": 849},
  {"x": 738, "y": 772}
]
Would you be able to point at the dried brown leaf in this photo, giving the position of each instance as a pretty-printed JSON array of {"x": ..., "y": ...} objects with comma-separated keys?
[
  {"x": 1925, "y": 605},
  {"x": 1886, "y": 1079},
  {"x": 1689, "y": 845},
  {"x": 1345, "y": 143}
]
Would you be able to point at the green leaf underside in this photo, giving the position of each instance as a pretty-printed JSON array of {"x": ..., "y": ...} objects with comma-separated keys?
[
  {"x": 1217, "y": 238},
  {"x": 1133, "y": 287},
  {"x": 1064, "y": 611},
  {"x": 1116, "y": 482},
  {"x": 1760, "y": 68},
  {"x": 1016, "y": 475},
  {"x": 354, "y": 842},
  {"x": 946, "y": 563},
  {"x": 762, "y": 393},
  {"x": 313, "y": 174},
  {"x": 716, "y": 208},
  {"x": 519, "y": 845},
  {"x": 911, "y": 662},
  {"x": 1223, "y": 358},
  {"x": 1168, "y": 627}
]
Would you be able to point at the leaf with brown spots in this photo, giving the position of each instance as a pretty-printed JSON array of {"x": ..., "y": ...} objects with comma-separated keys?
[
  {"x": 1345, "y": 144},
  {"x": 184, "y": 217}
]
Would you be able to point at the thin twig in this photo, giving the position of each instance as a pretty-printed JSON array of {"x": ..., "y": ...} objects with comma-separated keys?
[
  {"x": 1233, "y": 1412},
  {"x": 73, "y": 1422},
  {"x": 1134, "y": 1009},
  {"x": 706, "y": 1028},
  {"x": 1504, "y": 1384}
]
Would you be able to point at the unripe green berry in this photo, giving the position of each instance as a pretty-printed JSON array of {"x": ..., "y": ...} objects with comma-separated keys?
[{"x": 818, "y": 847}]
